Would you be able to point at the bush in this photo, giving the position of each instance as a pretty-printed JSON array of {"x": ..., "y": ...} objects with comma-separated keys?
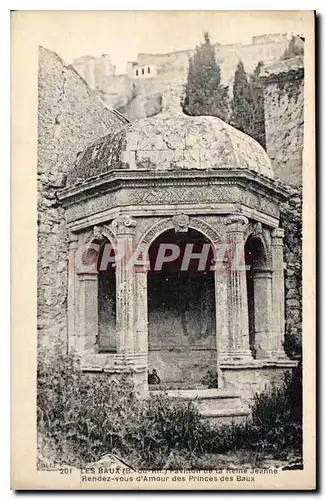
[
  {"x": 82, "y": 416},
  {"x": 87, "y": 415}
]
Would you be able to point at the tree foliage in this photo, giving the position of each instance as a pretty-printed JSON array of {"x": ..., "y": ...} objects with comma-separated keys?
[
  {"x": 204, "y": 93},
  {"x": 257, "y": 129},
  {"x": 247, "y": 106}
]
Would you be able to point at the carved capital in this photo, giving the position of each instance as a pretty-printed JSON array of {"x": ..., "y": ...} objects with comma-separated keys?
[
  {"x": 73, "y": 241},
  {"x": 257, "y": 229},
  {"x": 277, "y": 236},
  {"x": 124, "y": 225},
  {"x": 181, "y": 223},
  {"x": 263, "y": 273},
  {"x": 98, "y": 232},
  {"x": 236, "y": 223}
]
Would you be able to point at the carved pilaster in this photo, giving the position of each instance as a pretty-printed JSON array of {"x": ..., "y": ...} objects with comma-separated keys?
[
  {"x": 238, "y": 345},
  {"x": 141, "y": 312},
  {"x": 124, "y": 227},
  {"x": 278, "y": 324},
  {"x": 262, "y": 282}
]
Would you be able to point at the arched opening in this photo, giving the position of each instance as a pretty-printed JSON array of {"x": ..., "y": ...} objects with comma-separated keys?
[
  {"x": 181, "y": 308},
  {"x": 256, "y": 262},
  {"x": 107, "y": 339}
]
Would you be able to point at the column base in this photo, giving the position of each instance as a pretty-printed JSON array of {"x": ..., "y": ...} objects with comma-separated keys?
[
  {"x": 279, "y": 354},
  {"x": 271, "y": 354},
  {"x": 235, "y": 356},
  {"x": 134, "y": 366}
]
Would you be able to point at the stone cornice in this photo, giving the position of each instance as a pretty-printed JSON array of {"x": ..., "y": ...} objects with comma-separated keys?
[{"x": 116, "y": 180}]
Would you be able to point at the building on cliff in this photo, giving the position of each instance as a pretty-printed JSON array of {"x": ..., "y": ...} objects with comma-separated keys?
[{"x": 138, "y": 93}]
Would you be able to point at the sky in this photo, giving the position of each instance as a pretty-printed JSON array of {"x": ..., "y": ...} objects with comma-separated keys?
[{"x": 123, "y": 34}]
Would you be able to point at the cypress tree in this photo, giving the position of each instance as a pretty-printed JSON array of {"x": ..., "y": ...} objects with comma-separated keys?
[
  {"x": 257, "y": 127},
  {"x": 242, "y": 102},
  {"x": 248, "y": 103},
  {"x": 204, "y": 94}
]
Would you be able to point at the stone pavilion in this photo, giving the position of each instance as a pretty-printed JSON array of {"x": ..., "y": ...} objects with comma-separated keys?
[{"x": 181, "y": 180}]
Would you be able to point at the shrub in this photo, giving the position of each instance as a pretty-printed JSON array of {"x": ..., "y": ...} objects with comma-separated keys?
[
  {"x": 82, "y": 416},
  {"x": 85, "y": 415},
  {"x": 275, "y": 425},
  {"x": 167, "y": 426}
]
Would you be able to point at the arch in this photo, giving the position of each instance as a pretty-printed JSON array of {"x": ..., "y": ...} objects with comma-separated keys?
[
  {"x": 89, "y": 255},
  {"x": 256, "y": 231},
  {"x": 259, "y": 279},
  {"x": 104, "y": 284},
  {"x": 181, "y": 301},
  {"x": 163, "y": 225}
]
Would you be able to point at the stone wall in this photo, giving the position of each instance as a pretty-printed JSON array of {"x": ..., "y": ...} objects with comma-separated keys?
[
  {"x": 70, "y": 116},
  {"x": 291, "y": 221},
  {"x": 284, "y": 125},
  {"x": 284, "y": 120}
]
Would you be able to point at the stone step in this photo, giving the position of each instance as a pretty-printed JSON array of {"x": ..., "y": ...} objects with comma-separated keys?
[
  {"x": 208, "y": 399},
  {"x": 176, "y": 386},
  {"x": 225, "y": 416}
]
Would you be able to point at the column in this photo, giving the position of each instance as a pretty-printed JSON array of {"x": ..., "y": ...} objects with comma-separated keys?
[
  {"x": 125, "y": 282},
  {"x": 88, "y": 313},
  {"x": 141, "y": 309},
  {"x": 262, "y": 283},
  {"x": 278, "y": 319},
  {"x": 238, "y": 341},
  {"x": 73, "y": 245},
  {"x": 141, "y": 320},
  {"x": 221, "y": 319}
]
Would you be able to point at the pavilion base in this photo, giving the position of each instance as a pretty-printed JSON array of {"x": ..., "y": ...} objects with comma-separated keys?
[
  {"x": 241, "y": 377},
  {"x": 255, "y": 376}
]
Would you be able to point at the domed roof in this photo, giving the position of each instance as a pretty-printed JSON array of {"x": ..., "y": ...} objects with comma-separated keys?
[{"x": 172, "y": 140}]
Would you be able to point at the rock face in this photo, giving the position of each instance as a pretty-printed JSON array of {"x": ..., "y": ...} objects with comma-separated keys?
[
  {"x": 284, "y": 120},
  {"x": 120, "y": 91},
  {"x": 70, "y": 116}
]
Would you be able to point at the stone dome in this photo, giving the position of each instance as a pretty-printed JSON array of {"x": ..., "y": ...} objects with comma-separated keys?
[{"x": 172, "y": 140}]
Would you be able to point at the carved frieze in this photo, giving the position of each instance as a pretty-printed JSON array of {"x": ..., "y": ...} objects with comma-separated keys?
[{"x": 173, "y": 195}]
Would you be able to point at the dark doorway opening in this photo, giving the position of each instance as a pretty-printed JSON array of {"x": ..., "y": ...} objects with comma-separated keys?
[{"x": 181, "y": 310}]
